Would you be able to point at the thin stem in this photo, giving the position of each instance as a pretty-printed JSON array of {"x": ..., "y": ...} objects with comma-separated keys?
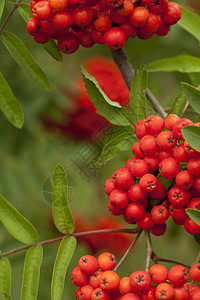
[
  {"x": 9, "y": 16},
  {"x": 157, "y": 259},
  {"x": 149, "y": 249},
  {"x": 122, "y": 61},
  {"x": 78, "y": 234},
  {"x": 127, "y": 251}
]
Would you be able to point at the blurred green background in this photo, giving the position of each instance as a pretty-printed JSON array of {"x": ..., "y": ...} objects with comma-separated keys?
[{"x": 28, "y": 156}]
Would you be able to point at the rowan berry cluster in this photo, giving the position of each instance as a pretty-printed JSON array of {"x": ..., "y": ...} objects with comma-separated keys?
[
  {"x": 97, "y": 280},
  {"x": 111, "y": 22},
  {"x": 161, "y": 154}
]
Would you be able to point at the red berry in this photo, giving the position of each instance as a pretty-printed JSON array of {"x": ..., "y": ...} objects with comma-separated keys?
[
  {"x": 164, "y": 291},
  {"x": 166, "y": 140},
  {"x": 119, "y": 198},
  {"x": 148, "y": 145},
  {"x": 154, "y": 124},
  {"x": 140, "y": 281},
  {"x": 178, "y": 197},
  {"x": 172, "y": 14},
  {"x": 139, "y": 16},
  {"x": 157, "y": 7},
  {"x": 139, "y": 168},
  {"x": 106, "y": 261},
  {"x": 115, "y": 38},
  {"x": 184, "y": 180},
  {"x": 68, "y": 43},
  {"x": 42, "y": 10},
  {"x": 122, "y": 178},
  {"x": 135, "y": 210},
  {"x": 169, "y": 168},
  {"x": 158, "y": 273},
  {"x": 146, "y": 222},
  {"x": 148, "y": 182},
  {"x": 195, "y": 272},
  {"x": 160, "y": 214},
  {"x": 178, "y": 275},
  {"x": 88, "y": 264}
]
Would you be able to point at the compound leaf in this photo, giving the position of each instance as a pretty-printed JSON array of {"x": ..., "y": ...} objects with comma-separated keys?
[
  {"x": 193, "y": 96},
  {"x": 111, "y": 110},
  {"x": 53, "y": 50},
  {"x": 2, "y": 5},
  {"x": 122, "y": 142},
  {"x": 178, "y": 105},
  {"x": 9, "y": 104},
  {"x": 194, "y": 215},
  {"x": 192, "y": 135},
  {"x": 138, "y": 100},
  {"x": 181, "y": 63},
  {"x": 62, "y": 216},
  {"x": 63, "y": 258},
  {"x": 18, "y": 226},
  {"x": 25, "y": 11},
  {"x": 5, "y": 279},
  {"x": 190, "y": 22},
  {"x": 31, "y": 273},
  {"x": 24, "y": 59}
]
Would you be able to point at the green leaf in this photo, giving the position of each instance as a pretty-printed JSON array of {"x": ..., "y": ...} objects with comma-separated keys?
[
  {"x": 31, "y": 274},
  {"x": 190, "y": 22},
  {"x": 5, "y": 279},
  {"x": 138, "y": 100},
  {"x": 193, "y": 96},
  {"x": 122, "y": 142},
  {"x": 25, "y": 11},
  {"x": 178, "y": 105},
  {"x": 24, "y": 59},
  {"x": 62, "y": 216},
  {"x": 111, "y": 110},
  {"x": 16, "y": 224},
  {"x": 194, "y": 215},
  {"x": 63, "y": 258},
  {"x": 53, "y": 50},
  {"x": 2, "y": 4},
  {"x": 194, "y": 78},
  {"x": 9, "y": 104},
  {"x": 192, "y": 135},
  {"x": 181, "y": 63}
]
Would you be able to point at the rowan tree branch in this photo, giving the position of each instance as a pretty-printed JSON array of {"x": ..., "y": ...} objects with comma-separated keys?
[
  {"x": 122, "y": 61},
  {"x": 9, "y": 16},
  {"x": 76, "y": 234},
  {"x": 149, "y": 250},
  {"x": 157, "y": 259},
  {"x": 127, "y": 251}
]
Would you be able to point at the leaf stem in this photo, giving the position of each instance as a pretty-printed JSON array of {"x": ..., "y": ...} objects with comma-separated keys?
[
  {"x": 78, "y": 234},
  {"x": 157, "y": 259},
  {"x": 149, "y": 250},
  {"x": 10, "y": 15},
  {"x": 127, "y": 251},
  {"x": 122, "y": 61}
]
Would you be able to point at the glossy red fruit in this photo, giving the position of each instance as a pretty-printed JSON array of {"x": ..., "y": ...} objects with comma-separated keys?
[
  {"x": 178, "y": 197},
  {"x": 139, "y": 16},
  {"x": 195, "y": 272},
  {"x": 33, "y": 26},
  {"x": 102, "y": 22},
  {"x": 68, "y": 43},
  {"x": 160, "y": 214},
  {"x": 169, "y": 168},
  {"x": 115, "y": 38},
  {"x": 158, "y": 6},
  {"x": 148, "y": 182},
  {"x": 119, "y": 198},
  {"x": 42, "y": 10},
  {"x": 164, "y": 291},
  {"x": 122, "y": 178},
  {"x": 154, "y": 124},
  {"x": 172, "y": 14},
  {"x": 140, "y": 281},
  {"x": 146, "y": 222},
  {"x": 178, "y": 275},
  {"x": 158, "y": 273},
  {"x": 88, "y": 264}
]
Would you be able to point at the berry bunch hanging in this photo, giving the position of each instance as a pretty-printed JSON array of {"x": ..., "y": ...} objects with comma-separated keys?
[
  {"x": 111, "y": 22},
  {"x": 161, "y": 154},
  {"x": 96, "y": 279}
]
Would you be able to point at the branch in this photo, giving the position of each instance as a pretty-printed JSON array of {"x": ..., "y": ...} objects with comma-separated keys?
[
  {"x": 127, "y": 251},
  {"x": 78, "y": 234},
  {"x": 149, "y": 250},
  {"x": 122, "y": 61},
  {"x": 10, "y": 15},
  {"x": 156, "y": 259}
]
